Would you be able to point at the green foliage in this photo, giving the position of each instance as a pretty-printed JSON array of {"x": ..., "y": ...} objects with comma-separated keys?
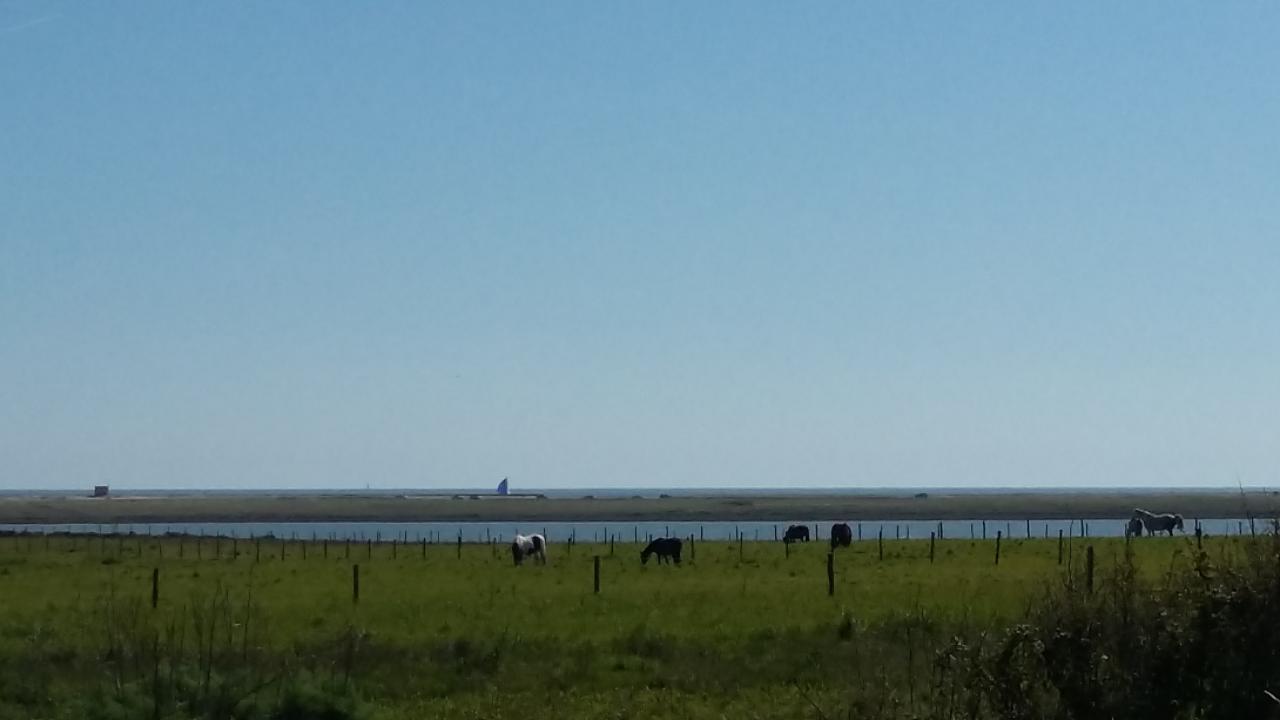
[{"x": 1169, "y": 632}]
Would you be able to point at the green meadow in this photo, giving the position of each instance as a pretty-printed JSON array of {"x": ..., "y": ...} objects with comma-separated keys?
[{"x": 274, "y": 630}]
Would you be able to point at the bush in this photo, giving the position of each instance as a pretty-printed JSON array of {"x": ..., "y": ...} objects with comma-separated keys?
[
  {"x": 1202, "y": 643},
  {"x": 307, "y": 700}
]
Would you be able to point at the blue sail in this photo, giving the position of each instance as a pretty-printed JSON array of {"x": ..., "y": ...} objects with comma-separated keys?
[{"x": 502, "y": 487}]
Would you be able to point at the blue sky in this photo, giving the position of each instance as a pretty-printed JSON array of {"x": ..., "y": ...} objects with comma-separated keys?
[{"x": 639, "y": 244}]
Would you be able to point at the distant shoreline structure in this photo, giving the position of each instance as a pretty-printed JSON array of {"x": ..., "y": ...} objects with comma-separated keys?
[
  {"x": 118, "y": 491},
  {"x": 471, "y": 506}
]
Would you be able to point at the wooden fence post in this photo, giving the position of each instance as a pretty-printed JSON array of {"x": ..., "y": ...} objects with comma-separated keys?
[
  {"x": 1059, "y": 546},
  {"x": 155, "y": 587},
  {"x": 424, "y": 548},
  {"x": 880, "y": 540},
  {"x": 355, "y": 583},
  {"x": 611, "y": 545},
  {"x": 831, "y": 574},
  {"x": 930, "y": 547},
  {"x": 460, "y": 547},
  {"x": 1028, "y": 528},
  {"x": 596, "y": 571},
  {"x": 1088, "y": 564},
  {"x": 984, "y": 529},
  {"x": 999, "y": 533},
  {"x": 1199, "y": 538}
]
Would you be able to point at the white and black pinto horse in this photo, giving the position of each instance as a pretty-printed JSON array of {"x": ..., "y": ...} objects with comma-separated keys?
[
  {"x": 534, "y": 546},
  {"x": 1154, "y": 523},
  {"x": 665, "y": 548}
]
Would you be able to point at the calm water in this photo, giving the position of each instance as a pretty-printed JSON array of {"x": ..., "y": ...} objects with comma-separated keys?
[{"x": 600, "y": 531}]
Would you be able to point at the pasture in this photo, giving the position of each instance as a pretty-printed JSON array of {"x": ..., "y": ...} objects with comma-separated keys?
[{"x": 738, "y": 630}]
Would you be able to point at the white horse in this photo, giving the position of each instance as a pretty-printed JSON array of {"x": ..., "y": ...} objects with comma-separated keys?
[
  {"x": 534, "y": 546},
  {"x": 1165, "y": 522}
]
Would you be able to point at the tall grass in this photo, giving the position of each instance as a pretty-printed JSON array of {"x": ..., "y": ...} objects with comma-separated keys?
[{"x": 1169, "y": 632}]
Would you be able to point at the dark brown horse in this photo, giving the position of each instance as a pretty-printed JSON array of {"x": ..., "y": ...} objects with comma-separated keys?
[
  {"x": 796, "y": 533},
  {"x": 841, "y": 535},
  {"x": 666, "y": 549}
]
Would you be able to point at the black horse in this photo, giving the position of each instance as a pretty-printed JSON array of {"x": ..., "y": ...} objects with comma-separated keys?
[
  {"x": 841, "y": 535},
  {"x": 666, "y": 548},
  {"x": 796, "y": 533}
]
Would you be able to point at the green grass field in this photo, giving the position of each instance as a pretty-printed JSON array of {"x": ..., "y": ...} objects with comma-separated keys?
[{"x": 731, "y": 633}]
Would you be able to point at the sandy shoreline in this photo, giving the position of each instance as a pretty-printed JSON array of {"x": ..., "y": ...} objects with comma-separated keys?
[{"x": 330, "y": 508}]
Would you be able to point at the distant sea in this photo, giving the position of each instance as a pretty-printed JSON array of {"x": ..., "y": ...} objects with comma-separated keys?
[{"x": 624, "y": 492}]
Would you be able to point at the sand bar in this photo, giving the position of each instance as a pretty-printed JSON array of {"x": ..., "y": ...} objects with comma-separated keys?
[{"x": 373, "y": 508}]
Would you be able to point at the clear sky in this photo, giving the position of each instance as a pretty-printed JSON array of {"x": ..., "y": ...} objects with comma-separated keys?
[{"x": 639, "y": 244}]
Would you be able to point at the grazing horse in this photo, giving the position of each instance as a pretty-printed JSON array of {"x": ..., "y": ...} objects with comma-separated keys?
[
  {"x": 534, "y": 546},
  {"x": 1133, "y": 528},
  {"x": 666, "y": 548},
  {"x": 796, "y": 533},
  {"x": 841, "y": 535},
  {"x": 1165, "y": 522}
]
